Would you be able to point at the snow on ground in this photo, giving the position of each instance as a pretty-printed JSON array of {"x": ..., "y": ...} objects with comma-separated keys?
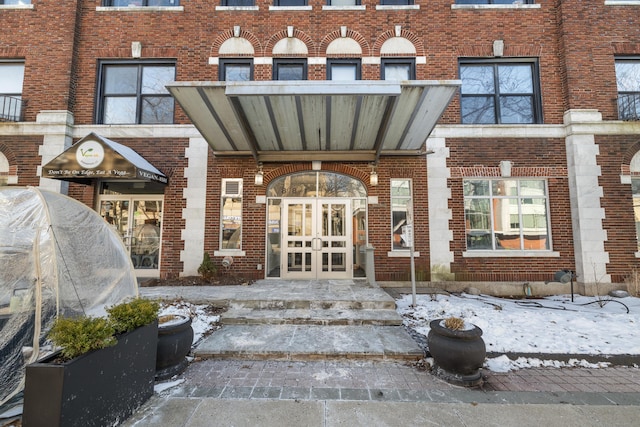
[
  {"x": 556, "y": 325},
  {"x": 202, "y": 321}
]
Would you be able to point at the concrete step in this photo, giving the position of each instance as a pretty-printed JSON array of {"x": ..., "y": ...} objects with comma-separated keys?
[
  {"x": 305, "y": 303},
  {"x": 299, "y": 316},
  {"x": 309, "y": 342}
]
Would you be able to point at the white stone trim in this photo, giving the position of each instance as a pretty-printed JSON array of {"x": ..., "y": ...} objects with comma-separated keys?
[
  {"x": 495, "y": 6},
  {"x": 398, "y": 7},
  {"x": 230, "y": 252},
  {"x": 140, "y": 9},
  {"x": 440, "y": 234},
  {"x": 340, "y": 8},
  {"x": 585, "y": 193},
  {"x": 402, "y": 254},
  {"x": 194, "y": 214},
  {"x": 510, "y": 254}
]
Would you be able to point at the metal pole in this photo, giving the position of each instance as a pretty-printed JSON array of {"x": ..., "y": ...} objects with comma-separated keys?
[{"x": 413, "y": 276}]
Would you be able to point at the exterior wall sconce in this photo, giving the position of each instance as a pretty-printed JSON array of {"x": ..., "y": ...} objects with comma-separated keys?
[
  {"x": 259, "y": 177},
  {"x": 373, "y": 177}
]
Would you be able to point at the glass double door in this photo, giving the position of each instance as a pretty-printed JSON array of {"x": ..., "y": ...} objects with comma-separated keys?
[
  {"x": 316, "y": 238},
  {"x": 138, "y": 220}
]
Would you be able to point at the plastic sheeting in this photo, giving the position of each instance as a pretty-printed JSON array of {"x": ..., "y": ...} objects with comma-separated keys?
[{"x": 57, "y": 257}]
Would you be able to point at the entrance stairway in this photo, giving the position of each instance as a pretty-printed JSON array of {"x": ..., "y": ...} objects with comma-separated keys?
[{"x": 310, "y": 320}]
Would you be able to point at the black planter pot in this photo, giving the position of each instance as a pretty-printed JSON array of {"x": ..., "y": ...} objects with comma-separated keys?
[
  {"x": 103, "y": 387},
  {"x": 174, "y": 343},
  {"x": 458, "y": 355}
]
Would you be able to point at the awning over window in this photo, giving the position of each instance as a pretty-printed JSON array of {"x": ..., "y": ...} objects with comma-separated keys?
[
  {"x": 96, "y": 157},
  {"x": 315, "y": 120}
]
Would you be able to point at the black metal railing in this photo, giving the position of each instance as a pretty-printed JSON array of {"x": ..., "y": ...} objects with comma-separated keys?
[
  {"x": 629, "y": 106},
  {"x": 11, "y": 108}
]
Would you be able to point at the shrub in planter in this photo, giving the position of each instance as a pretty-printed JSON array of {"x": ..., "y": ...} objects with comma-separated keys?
[
  {"x": 458, "y": 350},
  {"x": 103, "y": 385}
]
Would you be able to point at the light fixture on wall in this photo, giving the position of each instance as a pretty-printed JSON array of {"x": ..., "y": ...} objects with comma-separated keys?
[
  {"x": 259, "y": 178},
  {"x": 373, "y": 177}
]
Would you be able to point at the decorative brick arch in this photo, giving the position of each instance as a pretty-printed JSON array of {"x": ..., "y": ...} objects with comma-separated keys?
[
  {"x": 334, "y": 35},
  {"x": 282, "y": 34},
  {"x": 291, "y": 168},
  {"x": 415, "y": 40},
  {"x": 11, "y": 159},
  {"x": 625, "y": 166},
  {"x": 228, "y": 34},
  {"x": 485, "y": 50}
]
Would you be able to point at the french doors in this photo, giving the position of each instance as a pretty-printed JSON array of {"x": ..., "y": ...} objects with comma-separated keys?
[
  {"x": 138, "y": 220},
  {"x": 317, "y": 238}
]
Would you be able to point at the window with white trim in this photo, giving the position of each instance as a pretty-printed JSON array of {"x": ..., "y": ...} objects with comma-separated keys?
[
  {"x": 119, "y": 3},
  {"x": 401, "y": 202},
  {"x": 506, "y": 214},
  {"x": 231, "y": 215},
  {"x": 11, "y": 80}
]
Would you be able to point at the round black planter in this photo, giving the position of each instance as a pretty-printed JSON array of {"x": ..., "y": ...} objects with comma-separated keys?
[
  {"x": 174, "y": 343},
  {"x": 458, "y": 355}
]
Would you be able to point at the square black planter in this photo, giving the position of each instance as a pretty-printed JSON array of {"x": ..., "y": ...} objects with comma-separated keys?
[{"x": 103, "y": 387}]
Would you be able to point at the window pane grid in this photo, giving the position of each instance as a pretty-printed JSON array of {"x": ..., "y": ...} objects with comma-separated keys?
[
  {"x": 498, "y": 93},
  {"x": 506, "y": 217},
  {"x": 136, "y": 93}
]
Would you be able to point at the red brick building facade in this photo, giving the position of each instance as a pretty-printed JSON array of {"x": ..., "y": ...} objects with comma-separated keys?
[{"x": 531, "y": 168}]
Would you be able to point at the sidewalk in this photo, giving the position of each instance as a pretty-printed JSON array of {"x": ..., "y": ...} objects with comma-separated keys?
[
  {"x": 350, "y": 392},
  {"x": 327, "y": 393}
]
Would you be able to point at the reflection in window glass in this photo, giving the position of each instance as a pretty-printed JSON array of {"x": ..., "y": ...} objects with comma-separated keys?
[
  {"x": 136, "y": 93},
  {"x": 628, "y": 81},
  {"x": 635, "y": 185},
  {"x": 400, "y": 205},
  {"x": 231, "y": 214},
  {"x": 506, "y": 215}
]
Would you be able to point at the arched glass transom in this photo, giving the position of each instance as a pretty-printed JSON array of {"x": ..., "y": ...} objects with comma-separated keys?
[{"x": 316, "y": 184}]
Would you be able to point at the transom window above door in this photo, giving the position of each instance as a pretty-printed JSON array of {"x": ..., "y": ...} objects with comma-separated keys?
[
  {"x": 135, "y": 93},
  {"x": 316, "y": 184},
  {"x": 505, "y": 92}
]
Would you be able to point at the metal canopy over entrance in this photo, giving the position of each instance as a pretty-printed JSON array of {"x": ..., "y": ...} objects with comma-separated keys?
[{"x": 281, "y": 121}]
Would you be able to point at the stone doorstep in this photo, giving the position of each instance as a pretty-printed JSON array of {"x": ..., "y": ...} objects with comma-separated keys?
[
  {"x": 310, "y": 342},
  {"x": 306, "y": 303},
  {"x": 236, "y": 316}
]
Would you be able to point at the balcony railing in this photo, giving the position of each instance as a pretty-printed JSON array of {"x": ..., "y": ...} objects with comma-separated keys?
[
  {"x": 629, "y": 106},
  {"x": 10, "y": 108}
]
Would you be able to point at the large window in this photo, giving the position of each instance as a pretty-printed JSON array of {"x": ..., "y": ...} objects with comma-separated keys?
[
  {"x": 135, "y": 93},
  {"x": 11, "y": 78},
  {"x": 500, "y": 92},
  {"x": 290, "y": 2},
  {"x": 396, "y": 2},
  {"x": 494, "y": 1},
  {"x": 506, "y": 214},
  {"x": 235, "y": 70},
  {"x": 231, "y": 215},
  {"x": 343, "y": 69},
  {"x": 398, "y": 69},
  {"x": 117, "y": 3},
  {"x": 12, "y": 2},
  {"x": 289, "y": 69},
  {"x": 628, "y": 79},
  {"x": 401, "y": 205}
]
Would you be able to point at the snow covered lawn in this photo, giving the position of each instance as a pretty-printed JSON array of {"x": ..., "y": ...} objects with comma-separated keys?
[{"x": 589, "y": 325}]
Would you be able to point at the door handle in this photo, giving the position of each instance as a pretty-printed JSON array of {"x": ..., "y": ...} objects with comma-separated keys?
[{"x": 313, "y": 244}]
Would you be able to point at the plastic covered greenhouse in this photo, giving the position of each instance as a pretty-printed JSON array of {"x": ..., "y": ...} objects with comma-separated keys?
[{"x": 57, "y": 258}]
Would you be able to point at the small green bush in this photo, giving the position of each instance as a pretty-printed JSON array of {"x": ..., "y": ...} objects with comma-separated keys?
[
  {"x": 207, "y": 269},
  {"x": 133, "y": 314},
  {"x": 81, "y": 335}
]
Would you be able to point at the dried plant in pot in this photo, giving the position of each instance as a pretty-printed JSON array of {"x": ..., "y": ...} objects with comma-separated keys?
[
  {"x": 458, "y": 350},
  {"x": 104, "y": 371}
]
